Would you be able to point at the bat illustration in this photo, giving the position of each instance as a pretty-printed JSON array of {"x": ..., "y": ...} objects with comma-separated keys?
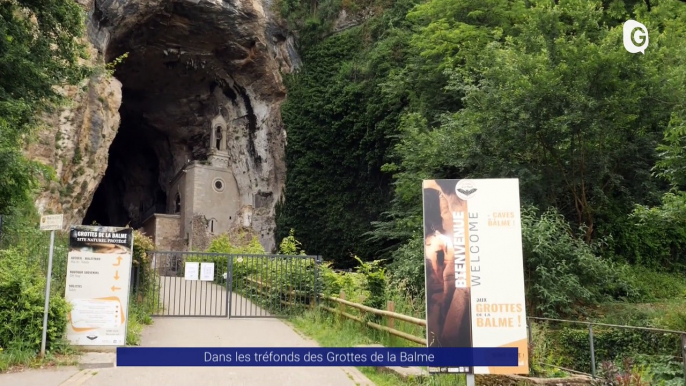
[
  {"x": 92, "y": 337},
  {"x": 467, "y": 192}
]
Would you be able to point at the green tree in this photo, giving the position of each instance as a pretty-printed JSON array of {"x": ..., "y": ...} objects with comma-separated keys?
[
  {"x": 39, "y": 49},
  {"x": 561, "y": 106}
]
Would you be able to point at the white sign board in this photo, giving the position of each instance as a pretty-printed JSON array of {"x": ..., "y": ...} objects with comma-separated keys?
[
  {"x": 191, "y": 272},
  {"x": 51, "y": 222},
  {"x": 98, "y": 277},
  {"x": 207, "y": 271},
  {"x": 472, "y": 238}
]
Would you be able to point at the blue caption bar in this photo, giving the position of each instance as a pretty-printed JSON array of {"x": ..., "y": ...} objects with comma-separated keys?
[{"x": 315, "y": 356}]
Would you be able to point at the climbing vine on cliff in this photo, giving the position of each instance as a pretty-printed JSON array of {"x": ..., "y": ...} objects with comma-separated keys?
[{"x": 336, "y": 146}]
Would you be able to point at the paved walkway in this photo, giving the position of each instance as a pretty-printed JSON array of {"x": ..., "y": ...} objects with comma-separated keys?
[{"x": 201, "y": 332}]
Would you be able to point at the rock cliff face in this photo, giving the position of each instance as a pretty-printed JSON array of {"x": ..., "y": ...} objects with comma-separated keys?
[{"x": 189, "y": 64}]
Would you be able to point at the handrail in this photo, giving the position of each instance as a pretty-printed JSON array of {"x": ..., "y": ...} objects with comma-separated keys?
[
  {"x": 422, "y": 322},
  {"x": 379, "y": 327},
  {"x": 610, "y": 325},
  {"x": 376, "y": 311}
]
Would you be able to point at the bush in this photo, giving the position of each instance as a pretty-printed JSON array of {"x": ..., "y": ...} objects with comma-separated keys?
[
  {"x": 374, "y": 284},
  {"x": 290, "y": 246},
  {"x": 626, "y": 373},
  {"x": 143, "y": 270},
  {"x": 650, "y": 285},
  {"x": 611, "y": 344},
  {"x": 656, "y": 237},
  {"x": 407, "y": 268},
  {"x": 563, "y": 272},
  {"x": 542, "y": 350},
  {"x": 22, "y": 302},
  {"x": 243, "y": 266},
  {"x": 332, "y": 282}
]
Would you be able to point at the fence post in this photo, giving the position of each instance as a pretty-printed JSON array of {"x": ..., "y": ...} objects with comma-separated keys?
[
  {"x": 683, "y": 353},
  {"x": 590, "y": 338},
  {"x": 391, "y": 308},
  {"x": 315, "y": 295},
  {"x": 528, "y": 330},
  {"x": 341, "y": 306}
]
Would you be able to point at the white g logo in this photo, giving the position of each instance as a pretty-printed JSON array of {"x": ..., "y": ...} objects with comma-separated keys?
[{"x": 635, "y": 37}]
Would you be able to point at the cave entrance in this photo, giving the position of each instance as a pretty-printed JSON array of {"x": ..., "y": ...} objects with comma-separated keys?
[
  {"x": 131, "y": 190},
  {"x": 181, "y": 74}
]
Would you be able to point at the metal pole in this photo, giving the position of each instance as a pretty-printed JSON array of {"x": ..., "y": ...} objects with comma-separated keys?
[
  {"x": 528, "y": 330},
  {"x": 683, "y": 353},
  {"x": 47, "y": 296},
  {"x": 590, "y": 338},
  {"x": 470, "y": 380},
  {"x": 316, "y": 280}
]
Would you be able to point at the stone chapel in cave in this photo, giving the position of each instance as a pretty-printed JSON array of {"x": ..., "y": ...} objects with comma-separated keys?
[{"x": 202, "y": 201}]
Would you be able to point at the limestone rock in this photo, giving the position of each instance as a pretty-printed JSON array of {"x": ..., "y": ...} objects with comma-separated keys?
[
  {"x": 190, "y": 63},
  {"x": 75, "y": 143}
]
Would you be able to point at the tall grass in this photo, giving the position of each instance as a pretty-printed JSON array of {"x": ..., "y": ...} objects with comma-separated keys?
[{"x": 332, "y": 331}]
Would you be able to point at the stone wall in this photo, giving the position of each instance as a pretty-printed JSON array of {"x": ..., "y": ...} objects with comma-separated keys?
[
  {"x": 167, "y": 231},
  {"x": 221, "y": 205},
  {"x": 200, "y": 236}
]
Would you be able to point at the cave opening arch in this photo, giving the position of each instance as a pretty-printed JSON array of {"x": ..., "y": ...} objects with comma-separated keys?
[{"x": 187, "y": 65}]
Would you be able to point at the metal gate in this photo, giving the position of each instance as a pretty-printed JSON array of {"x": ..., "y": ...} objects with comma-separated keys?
[{"x": 225, "y": 285}]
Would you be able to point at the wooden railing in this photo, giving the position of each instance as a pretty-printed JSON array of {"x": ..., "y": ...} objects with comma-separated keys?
[{"x": 389, "y": 314}]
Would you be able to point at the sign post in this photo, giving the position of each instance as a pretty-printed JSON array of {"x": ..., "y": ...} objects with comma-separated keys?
[
  {"x": 98, "y": 279},
  {"x": 49, "y": 223},
  {"x": 474, "y": 269}
]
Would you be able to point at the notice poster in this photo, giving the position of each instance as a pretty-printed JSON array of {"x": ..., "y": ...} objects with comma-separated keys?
[
  {"x": 474, "y": 268},
  {"x": 191, "y": 271},
  {"x": 207, "y": 271},
  {"x": 98, "y": 277}
]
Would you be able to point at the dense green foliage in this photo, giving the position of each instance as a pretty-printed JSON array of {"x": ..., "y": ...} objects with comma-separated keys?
[
  {"x": 539, "y": 90},
  {"x": 611, "y": 344},
  {"x": 22, "y": 301},
  {"x": 39, "y": 49},
  {"x": 336, "y": 149}
]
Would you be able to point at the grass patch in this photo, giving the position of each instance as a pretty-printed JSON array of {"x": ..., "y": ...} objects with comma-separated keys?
[
  {"x": 330, "y": 331},
  {"x": 17, "y": 359},
  {"x": 139, "y": 316}
]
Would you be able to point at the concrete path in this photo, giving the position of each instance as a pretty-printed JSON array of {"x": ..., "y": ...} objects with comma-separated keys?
[
  {"x": 48, "y": 377},
  {"x": 202, "y": 332}
]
